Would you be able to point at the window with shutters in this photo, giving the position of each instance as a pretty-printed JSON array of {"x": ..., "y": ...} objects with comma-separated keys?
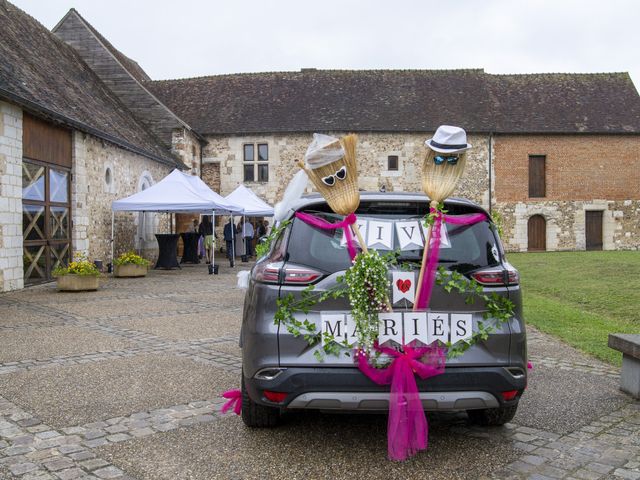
[{"x": 537, "y": 177}]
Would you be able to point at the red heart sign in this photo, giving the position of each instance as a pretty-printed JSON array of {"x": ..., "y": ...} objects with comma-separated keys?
[{"x": 403, "y": 285}]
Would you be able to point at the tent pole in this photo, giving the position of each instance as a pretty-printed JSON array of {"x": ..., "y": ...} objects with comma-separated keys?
[
  {"x": 233, "y": 241},
  {"x": 113, "y": 214},
  {"x": 213, "y": 230}
]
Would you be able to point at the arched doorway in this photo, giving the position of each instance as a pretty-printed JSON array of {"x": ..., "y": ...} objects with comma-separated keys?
[{"x": 537, "y": 233}]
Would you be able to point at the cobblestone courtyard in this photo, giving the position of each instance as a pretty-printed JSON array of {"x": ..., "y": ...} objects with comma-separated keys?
[{"x": 125, "y": 383}]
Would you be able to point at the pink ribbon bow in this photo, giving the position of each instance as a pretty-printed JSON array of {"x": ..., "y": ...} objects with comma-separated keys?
[
  {"x": 407, "y": 428},
  {"x": 324, "y": 225},
  {"x": 235, "y": 401}
]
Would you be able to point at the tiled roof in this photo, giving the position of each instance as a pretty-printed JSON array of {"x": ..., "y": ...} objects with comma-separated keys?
[
  {"x": 404, "y": 101},
  {"x": 43, "y": 74},
  {"x": 131, "y": 65},
  {"x": 565, "y": 103}
]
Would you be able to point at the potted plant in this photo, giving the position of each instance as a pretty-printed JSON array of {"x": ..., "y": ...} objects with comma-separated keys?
[
  {"x": 79, "y": 275},
  {"x": 130, "y": 264}
]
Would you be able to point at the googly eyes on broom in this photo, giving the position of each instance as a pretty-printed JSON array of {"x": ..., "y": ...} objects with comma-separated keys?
[
  {"x": 440, "y": 159},
  {"x": 330, "y": 180}
]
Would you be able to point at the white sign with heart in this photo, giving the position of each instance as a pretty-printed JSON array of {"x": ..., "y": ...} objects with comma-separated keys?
[{"x": 403, "y": 287}]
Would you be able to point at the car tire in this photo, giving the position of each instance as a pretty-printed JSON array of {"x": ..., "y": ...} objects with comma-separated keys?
[
  {"x": 255, "y": 415},
  {"x": 493, "y": 416}
]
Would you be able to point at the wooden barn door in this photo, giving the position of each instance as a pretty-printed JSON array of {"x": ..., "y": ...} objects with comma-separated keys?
[
  {"x": 537, "y": 231},
  {"x": 46, "y": 199},
  {"x": 593, "y": 230}
]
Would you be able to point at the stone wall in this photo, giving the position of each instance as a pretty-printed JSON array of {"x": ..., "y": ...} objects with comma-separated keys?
[
  {"x": 186, "y": 146},
  {"x": 11, "y": 274},
  {"x": 373, "y": 149},
  {"x": 104, "y": 173},
  {"x": 565, "y": 222}
]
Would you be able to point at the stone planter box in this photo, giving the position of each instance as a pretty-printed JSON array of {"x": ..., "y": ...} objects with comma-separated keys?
[
  {"x": 77, "y": 283},
  {"x": 130, "y": 270}
]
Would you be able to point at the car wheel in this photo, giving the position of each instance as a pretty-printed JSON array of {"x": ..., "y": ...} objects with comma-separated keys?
[
  {"x": 255, "y": 415},
  {"x": 493, "y": 416}
]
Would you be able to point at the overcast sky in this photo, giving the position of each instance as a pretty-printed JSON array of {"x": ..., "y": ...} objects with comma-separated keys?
[{"x": 189, "y": 38}]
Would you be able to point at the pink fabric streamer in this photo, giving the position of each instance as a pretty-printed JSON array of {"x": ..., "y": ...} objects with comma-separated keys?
[
  {"x": 234, "y": 401},
  {"x": 324, "y": 225},
  {"x": 407, "y": 428},
  {"x": 423, "y": 296}
]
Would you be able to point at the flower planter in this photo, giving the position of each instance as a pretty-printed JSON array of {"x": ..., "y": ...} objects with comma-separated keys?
[
  {"x": 130, "y": 270},
  {"x": 77, "y": 283}
]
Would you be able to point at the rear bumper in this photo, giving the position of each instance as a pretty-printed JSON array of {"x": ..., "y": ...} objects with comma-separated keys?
[{"x": 459, "y": 388}]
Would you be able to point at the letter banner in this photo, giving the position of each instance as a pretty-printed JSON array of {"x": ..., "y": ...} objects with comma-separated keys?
[
  {"x": 388, "y": 235},
  {"x": 401, "y": 328}
]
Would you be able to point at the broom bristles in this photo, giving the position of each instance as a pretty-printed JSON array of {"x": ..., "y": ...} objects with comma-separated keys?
[
  {"x": 343, "y": 197},
  {"x": 440, "y": 181}
]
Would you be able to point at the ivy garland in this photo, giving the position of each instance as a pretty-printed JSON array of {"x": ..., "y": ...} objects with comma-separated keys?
[
  {"x": 365, "y": 284},
  {"x": 263, "y": 247}
]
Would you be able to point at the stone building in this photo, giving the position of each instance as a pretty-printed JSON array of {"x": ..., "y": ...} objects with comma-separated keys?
[
  {"x": 555, "y": 154},
  {"x": 69, "y": 145},
  {"x": 81, "y": 125}
]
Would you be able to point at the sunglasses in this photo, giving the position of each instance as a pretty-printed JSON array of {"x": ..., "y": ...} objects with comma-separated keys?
[
  {"x": 330, "y": 180},
  {"x": 440, "y": 159}
]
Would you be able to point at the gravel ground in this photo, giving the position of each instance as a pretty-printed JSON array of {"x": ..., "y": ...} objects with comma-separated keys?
[
  {"x": 308, "y": 446},
  {"x": 79, "y": 394},
  {"x": 561, "y": 401},
  {"x": 144, "y": 407},
  {"x": 47, "y": 342},
  {"x": 186, "y": 327}
]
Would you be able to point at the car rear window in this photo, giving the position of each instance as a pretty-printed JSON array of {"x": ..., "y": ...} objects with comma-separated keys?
[{"x": 471, "y": 246}]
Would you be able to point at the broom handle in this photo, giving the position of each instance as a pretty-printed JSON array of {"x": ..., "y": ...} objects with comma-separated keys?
[
  {"x": 425, "y": 256},
  {"x": 363, "y": 245}
]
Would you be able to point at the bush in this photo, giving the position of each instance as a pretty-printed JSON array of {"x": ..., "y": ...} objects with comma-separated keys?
[
  {"x": 80, "y": 266},
  {"x": 131, "y": 258}
]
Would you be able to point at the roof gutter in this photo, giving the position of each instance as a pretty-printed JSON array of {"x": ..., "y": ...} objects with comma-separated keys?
[{"x": 70, "y": 122}]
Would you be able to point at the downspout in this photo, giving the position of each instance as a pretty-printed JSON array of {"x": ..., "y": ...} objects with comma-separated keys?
[{"x": 490, "y": 169}]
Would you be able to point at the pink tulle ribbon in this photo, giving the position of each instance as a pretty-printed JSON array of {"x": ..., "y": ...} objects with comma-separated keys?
[
  {"x": 423, "y": 296},
  {"x": 324, "y": 225},
  {"x": 234, "y": 401},
  {"x": 407, "y": 428}
]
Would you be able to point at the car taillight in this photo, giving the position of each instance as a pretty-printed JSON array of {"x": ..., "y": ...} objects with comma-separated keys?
[
  {"x": 267, "y": 272},
  {"x": 290, "y": 274},
  {"x": 300, "y": 275},
  {"x": 496, "y": 277}
]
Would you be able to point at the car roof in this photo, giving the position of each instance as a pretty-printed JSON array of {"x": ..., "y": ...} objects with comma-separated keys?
[{"x": 315, "y": 198}]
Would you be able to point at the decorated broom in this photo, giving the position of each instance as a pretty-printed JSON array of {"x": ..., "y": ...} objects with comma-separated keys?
[
  {"x": 331, "y": 166},
  {"x": 443, "y": 166}
]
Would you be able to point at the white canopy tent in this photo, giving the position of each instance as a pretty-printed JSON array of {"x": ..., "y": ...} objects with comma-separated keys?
[
  {"x": 252, "y": 206},
  {"x": 176, "y": 193}
]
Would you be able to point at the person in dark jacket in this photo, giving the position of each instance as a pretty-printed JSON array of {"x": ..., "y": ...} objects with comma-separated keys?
[{"x": 228, "y": 238}]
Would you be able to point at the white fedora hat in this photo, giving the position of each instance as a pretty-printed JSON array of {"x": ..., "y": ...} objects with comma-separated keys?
[{"x": 448, "y": 139}]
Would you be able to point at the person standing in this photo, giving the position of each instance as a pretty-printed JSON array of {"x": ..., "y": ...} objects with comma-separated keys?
[
  {"x": 247, "y": 234},
  {"x": 261, "y": 231},
  {"x": 228, "y": 233},
  {"x": 206, "y": 230}
]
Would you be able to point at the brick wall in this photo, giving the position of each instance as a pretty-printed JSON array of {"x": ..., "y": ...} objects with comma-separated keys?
[
  {"x": 11, "y": 274},
  {"x": 578, "y": 167}
]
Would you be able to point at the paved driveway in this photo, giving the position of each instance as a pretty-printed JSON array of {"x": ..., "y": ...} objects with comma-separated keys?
[{"x": 125, "y": 383}]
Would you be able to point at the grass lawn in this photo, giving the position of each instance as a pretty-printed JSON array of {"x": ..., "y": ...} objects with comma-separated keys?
[{"x": 581, "y": 297}]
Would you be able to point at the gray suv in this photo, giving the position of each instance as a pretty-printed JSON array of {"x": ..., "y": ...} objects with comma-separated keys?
[{"x": 280, "y": 372}]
